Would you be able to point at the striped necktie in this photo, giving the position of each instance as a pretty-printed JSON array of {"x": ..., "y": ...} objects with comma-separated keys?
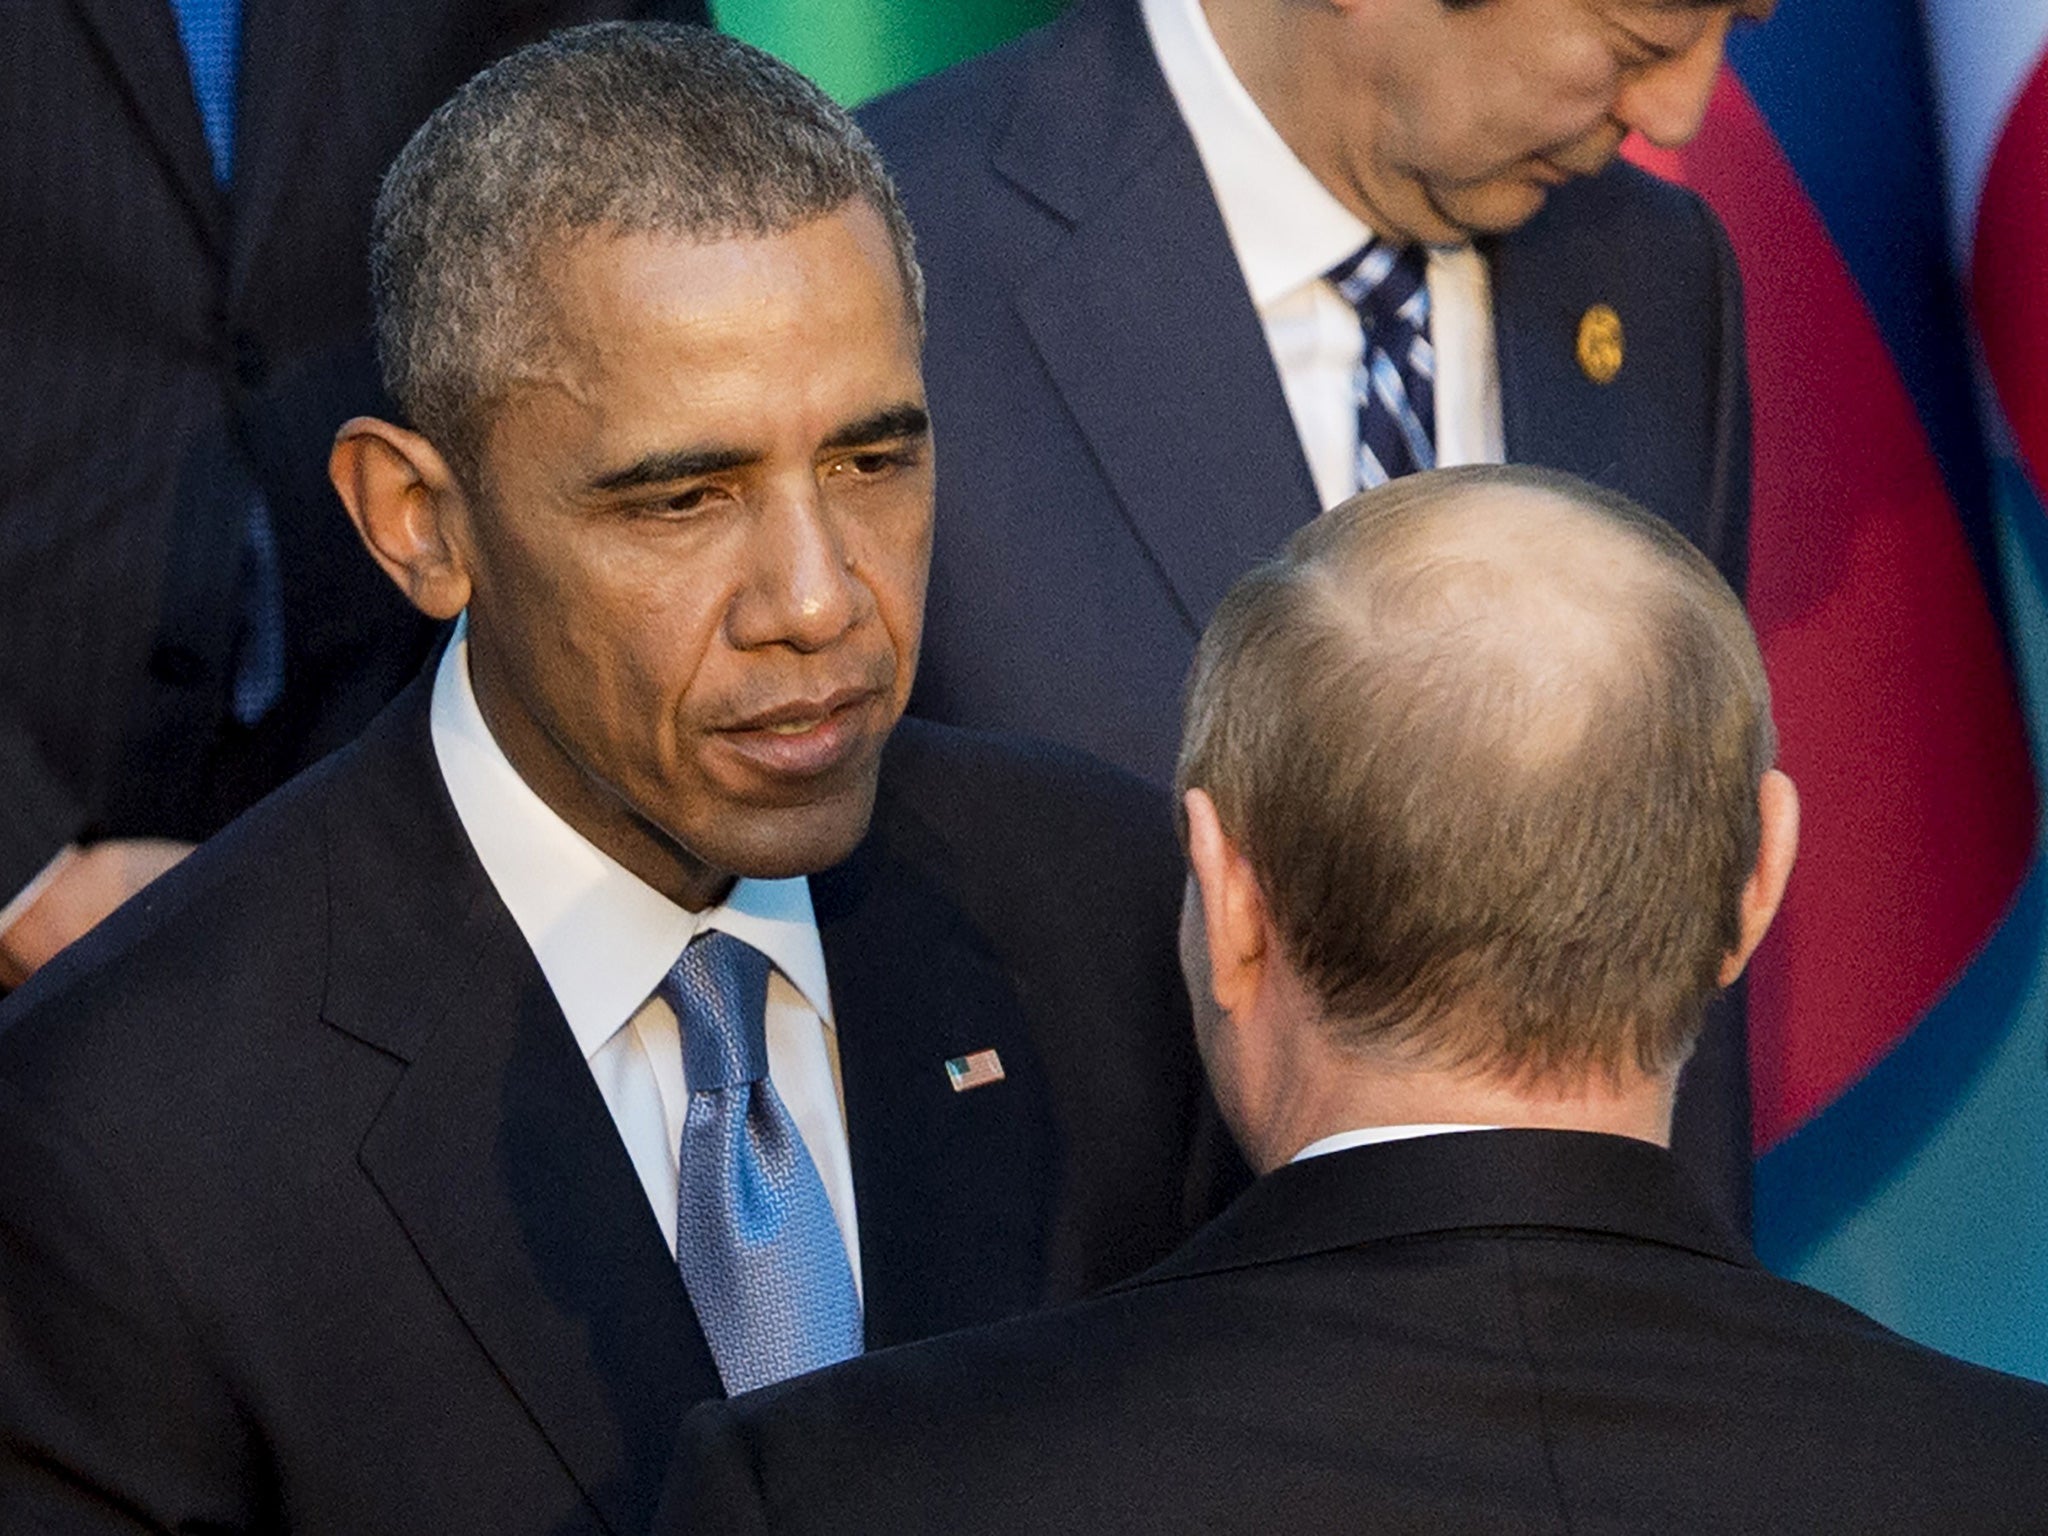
[
  {"x": 756, "y": 1242},
  {"x": 1394, "y": 388}
]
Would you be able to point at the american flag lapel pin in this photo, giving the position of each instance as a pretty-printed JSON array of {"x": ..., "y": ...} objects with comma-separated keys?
[{"x": 977, "y": 1069}]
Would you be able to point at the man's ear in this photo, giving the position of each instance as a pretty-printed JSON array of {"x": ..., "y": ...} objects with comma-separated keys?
[
  {"x": 1234, "y": 924},
  {"x": 404, "y": 501},
  {"x": 1778, "y": 843}
]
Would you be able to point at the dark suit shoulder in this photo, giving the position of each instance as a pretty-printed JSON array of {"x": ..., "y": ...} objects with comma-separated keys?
[
  {"x": 1063, "y": 116},
  {"x": 178, "y": 1003},
  {"x": 950, "y": 110},
  {"x": 1414, "y": 1385},
  {"x": 1658, "y": 242},
  {"x": 1663, "y": 236},
  {"x": 201, "y": 937},
  {"x": 1660, "y": 209},
  {"x": 1030, "y": 812},
  {"x": 1033, "y": 774}
]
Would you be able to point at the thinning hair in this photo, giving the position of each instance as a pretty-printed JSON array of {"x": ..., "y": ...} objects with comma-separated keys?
[
  {"x": 1491, "y": 740},
  {"x": 627, "y": 128}
]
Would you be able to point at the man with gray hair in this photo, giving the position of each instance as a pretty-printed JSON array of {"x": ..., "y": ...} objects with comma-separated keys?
[
  {"x": 633, "y": 1014},
  {"x": 1479, "y": 798}
]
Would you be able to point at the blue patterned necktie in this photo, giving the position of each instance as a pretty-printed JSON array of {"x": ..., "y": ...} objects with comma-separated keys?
[
  {"x": 1395, "y": 386},
  {"x": 759, "y": 1250}
]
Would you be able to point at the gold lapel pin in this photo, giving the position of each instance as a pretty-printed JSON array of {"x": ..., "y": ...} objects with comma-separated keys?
[
  {"x": 1600, "y": 344},
  {"x": 975, "y": 1070}
]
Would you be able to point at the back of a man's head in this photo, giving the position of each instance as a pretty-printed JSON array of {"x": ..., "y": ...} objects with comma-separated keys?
[{"x": 1491, "y": 741}]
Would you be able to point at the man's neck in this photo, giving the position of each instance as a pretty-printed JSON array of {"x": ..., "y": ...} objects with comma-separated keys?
[
  {"x": 1268, "y": 59},
  {"x": 1636, "y": 1105}
]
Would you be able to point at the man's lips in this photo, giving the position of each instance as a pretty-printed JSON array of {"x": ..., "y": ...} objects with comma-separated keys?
[
  {"x": 803, "y": 737},
  {"x": 796, "y": 715}
]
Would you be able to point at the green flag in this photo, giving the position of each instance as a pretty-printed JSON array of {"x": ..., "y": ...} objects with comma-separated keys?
[{"x": 859, "y": 48}]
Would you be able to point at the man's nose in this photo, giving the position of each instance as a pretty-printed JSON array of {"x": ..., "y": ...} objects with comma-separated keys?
[
  {"x": 802, "y": 591},
  {"x": 1667, "y": 101}
]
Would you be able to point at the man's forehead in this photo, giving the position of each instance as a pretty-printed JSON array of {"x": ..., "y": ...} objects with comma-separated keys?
[
  {"x": 671, "y": 347},
  {"x": 601, "y": 289},
  {"x": 839, "y": 257}
]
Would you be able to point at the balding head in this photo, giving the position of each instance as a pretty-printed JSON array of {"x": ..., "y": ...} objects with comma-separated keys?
[{"x": 1491, "y": 741}]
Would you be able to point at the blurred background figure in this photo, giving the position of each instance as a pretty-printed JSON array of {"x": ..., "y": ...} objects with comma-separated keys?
[{"x": 186, "y": 617}]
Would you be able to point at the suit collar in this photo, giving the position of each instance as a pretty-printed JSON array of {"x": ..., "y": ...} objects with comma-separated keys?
[
  {"x": 495, "y": 1150},
  {"x": 1547, "y": 275},
  {"x": 1608, "y": 1186},
  {"x": 1071, "y": 151},
  {"x": 1286, "y": 227},
  {"x": 285, "y": 45},
  {"x": 955, "y": 1190},
  {"x": 410, "y": 911},
  {"x": 141, "y": 45},
  {"x": 1139, "y": 312},
  {"x": 603, "y": 937},
  {"x": 497, "y": 1155}
]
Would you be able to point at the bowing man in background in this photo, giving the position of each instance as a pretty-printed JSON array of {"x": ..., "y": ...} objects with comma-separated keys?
[
  {"x": 1479, "y": 799},
  {"x": 1201, "y": 268},
  {"x": 632, "y": 1014}
]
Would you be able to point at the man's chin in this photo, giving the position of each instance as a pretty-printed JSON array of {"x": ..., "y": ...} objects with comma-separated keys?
[
  {"x": 782, "y": 842},
  {"x": 1491, "y": 208}
]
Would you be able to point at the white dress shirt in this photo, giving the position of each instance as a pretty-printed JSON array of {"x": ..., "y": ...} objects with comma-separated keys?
[
  {"x": 1373, "y": 1135},
  {"x": 604, "y": 939},
  {"x": 1288, "y": 230}
]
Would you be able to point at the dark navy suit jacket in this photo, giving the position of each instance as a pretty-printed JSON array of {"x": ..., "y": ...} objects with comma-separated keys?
[
  {"x": 312, "y": 1217},
  {"x": 1510, "y": 1331},
  {"x": 1114, "y": 447}
]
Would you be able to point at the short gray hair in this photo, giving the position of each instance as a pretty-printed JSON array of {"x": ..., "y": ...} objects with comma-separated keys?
[
  {"x": 1501, "y": 808},
  {"x": 635, "y": 128}
]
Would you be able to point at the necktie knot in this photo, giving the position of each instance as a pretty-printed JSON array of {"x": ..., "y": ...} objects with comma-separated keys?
[
  {"x": 1394, "y": 388},
  {"x": 718, "y": 990},
  {"x": 1388, "y": 286}
]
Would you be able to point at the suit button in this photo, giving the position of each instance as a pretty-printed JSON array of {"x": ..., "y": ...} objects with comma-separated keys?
[
  {"x": 250, "y": 367},
  {"x": 176, "y": 665}
]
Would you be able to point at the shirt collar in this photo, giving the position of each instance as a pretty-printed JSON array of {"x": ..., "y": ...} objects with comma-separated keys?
[
  {"x": 604, "y": 937},
  {"x": 1373, "y": 1135},
  {"x": 1284, "y": 224}
]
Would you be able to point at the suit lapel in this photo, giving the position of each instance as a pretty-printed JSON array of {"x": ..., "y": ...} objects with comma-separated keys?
[
  {"x": 954, "y": 1190},
  {"x": 285, "y": 45},
  {"x": 1546, "y": 276},
  {"x": 141, "y": 46},
  {"x": 495, "y": 1152},
  {"x": 1140, "y": 313}
]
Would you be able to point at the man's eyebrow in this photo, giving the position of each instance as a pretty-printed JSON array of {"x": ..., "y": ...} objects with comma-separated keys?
[
  {"x": 672, "y": 465},
  {"x": 665, "y": 468},
  {"x": 905, "y": 420}
]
